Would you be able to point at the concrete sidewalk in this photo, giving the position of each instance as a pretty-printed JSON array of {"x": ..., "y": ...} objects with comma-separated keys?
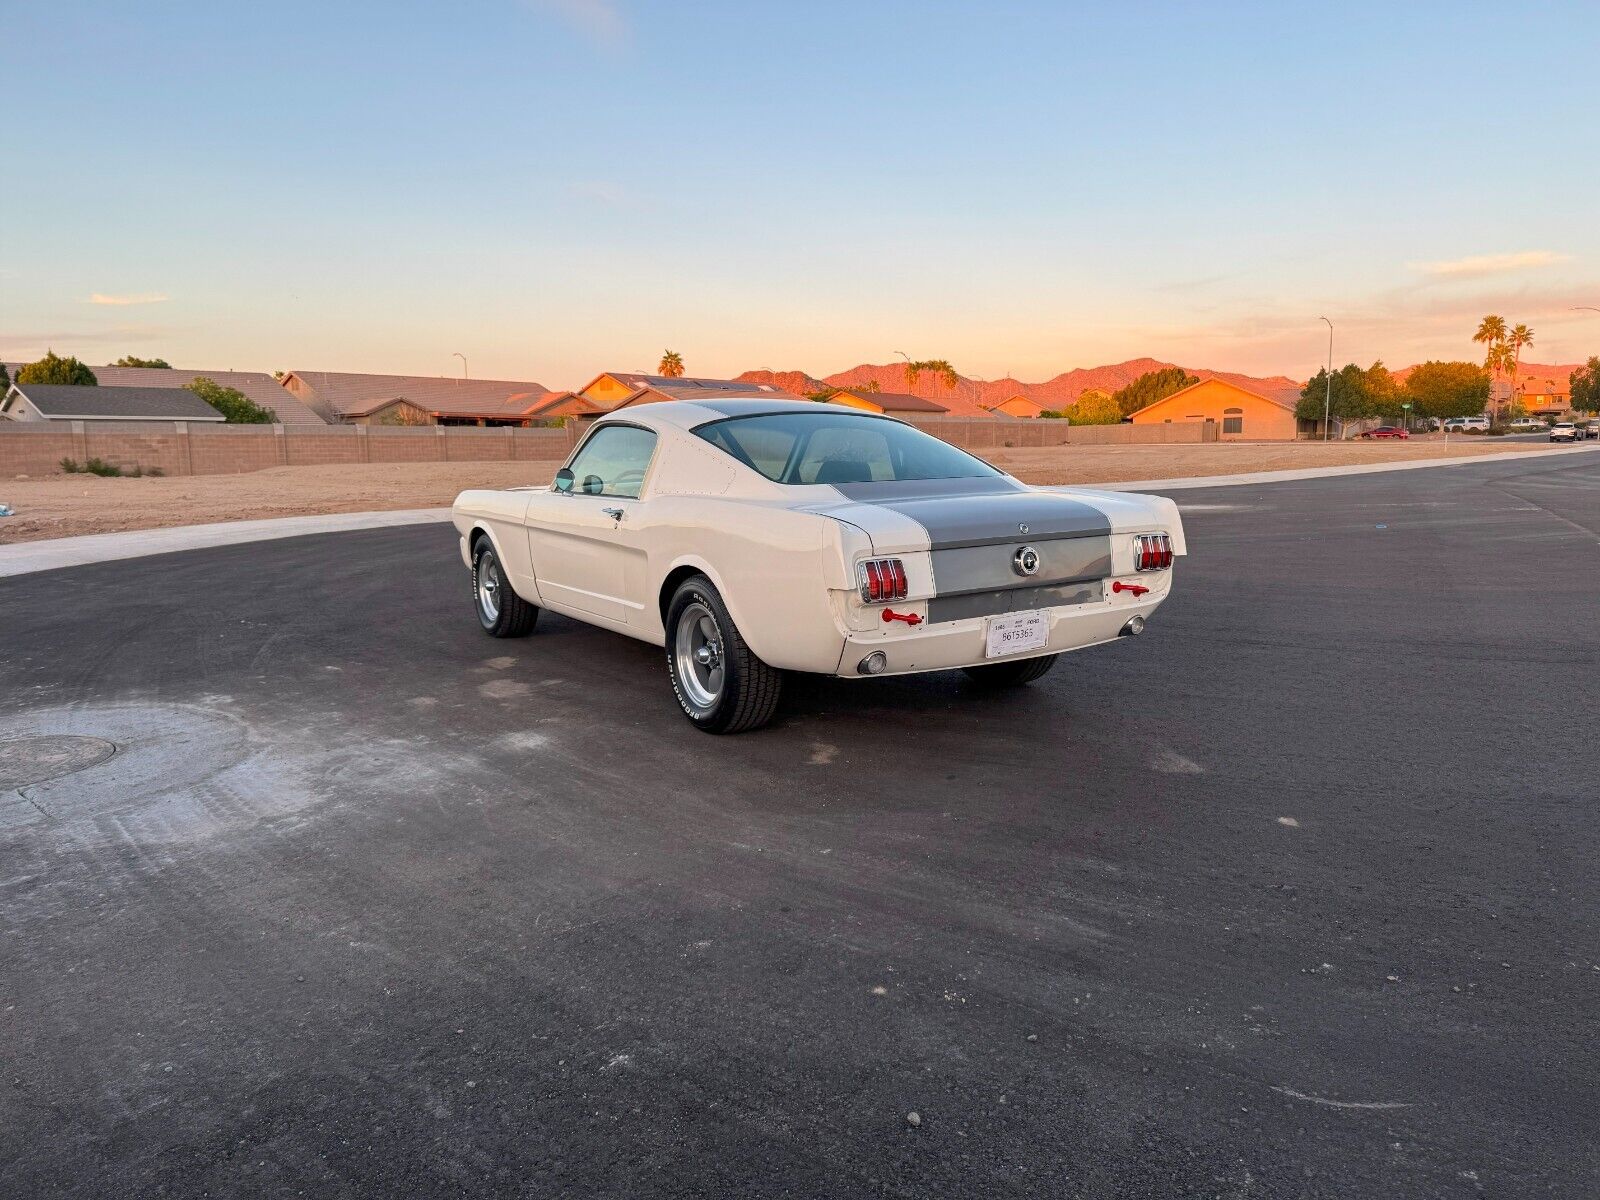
[{"x": 28, "y": 557}]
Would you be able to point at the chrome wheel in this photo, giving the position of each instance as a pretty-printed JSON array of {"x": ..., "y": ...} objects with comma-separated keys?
[
  {"x": 489, "y": 587},
  {"x": 697, "y": 653}
]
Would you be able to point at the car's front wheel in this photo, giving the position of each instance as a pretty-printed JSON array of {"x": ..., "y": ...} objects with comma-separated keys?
[
  {"x": 501, "y": 612},
  {"x": 720, "y": 684},
  {"x": 1011, "y": 674}
]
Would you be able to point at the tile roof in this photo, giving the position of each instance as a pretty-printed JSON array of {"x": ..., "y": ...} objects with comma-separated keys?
[
  {"x": 670, "y": 383},
  {"x": 64, "y": 402},
  {"x": 748, "y": 391},
  {"x": 257, "y": 385},
  {"x": 567, "y": 402},
  {"x": 347, "y": 394},
  {"x": 897, "y": 401}
]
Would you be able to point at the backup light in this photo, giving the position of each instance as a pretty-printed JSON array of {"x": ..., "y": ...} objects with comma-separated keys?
[
  {"x": 881, "y": 580},
  {"x": 873, "y": 664},
  {"x": 1152, "y": 552}
]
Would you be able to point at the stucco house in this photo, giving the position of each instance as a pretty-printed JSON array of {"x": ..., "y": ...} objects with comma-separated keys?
[
  {"x": 1017, "y": 406},
  {"x": 1239, "y": 413},
  {"x": 1545, "y": 395}
]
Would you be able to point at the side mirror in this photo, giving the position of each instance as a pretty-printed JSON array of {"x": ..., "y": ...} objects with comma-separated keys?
[{"x": 564, "y": 480}]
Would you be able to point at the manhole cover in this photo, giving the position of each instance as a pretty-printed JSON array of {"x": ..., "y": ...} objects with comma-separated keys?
[{"x": 35, "y": 759}]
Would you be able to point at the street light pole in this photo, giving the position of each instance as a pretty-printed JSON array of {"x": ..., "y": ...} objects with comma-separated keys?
[
  {"x": 465, "y": 374},
  {"x": 1327, "y": 400}
]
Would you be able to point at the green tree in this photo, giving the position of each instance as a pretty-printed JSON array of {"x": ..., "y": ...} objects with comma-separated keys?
[
  {"x": 128, "y": 360},
  {"x": 57, "y": 370},
  {"x": 671, "y": 364},
  {"x": 5, "y": 380},
  {"x": 1094, "y": 407},
  {"x": 1357, "y": 394},
  {"x": 1586, "y": 387},
  {"x": 1384, "y": 395},
  {"x": 1152, "y": 386},
  {"x": 233, "y": 404},
  {"x": 1448, "y": 389}
]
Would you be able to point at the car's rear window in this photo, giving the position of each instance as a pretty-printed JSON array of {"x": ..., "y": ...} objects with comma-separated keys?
[{"x": 839, "y": 447}]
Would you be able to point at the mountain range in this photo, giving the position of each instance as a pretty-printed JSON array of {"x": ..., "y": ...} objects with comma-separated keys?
[{"x": 972, "y": 397}]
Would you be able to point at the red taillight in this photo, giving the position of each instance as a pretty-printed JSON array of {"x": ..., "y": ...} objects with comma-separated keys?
[
  {"x": 882, "y": 580},
  {"x": 1152, "y": 552}
]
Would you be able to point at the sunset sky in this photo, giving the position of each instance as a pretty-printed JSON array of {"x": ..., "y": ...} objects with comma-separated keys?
[{"x": 552, "y": 188}]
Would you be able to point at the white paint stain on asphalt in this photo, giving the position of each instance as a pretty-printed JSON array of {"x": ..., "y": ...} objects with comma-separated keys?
[
  {"x": 523, "y": 740},
  {"x": 501, "y": 663},
  {"x": 1289, "y": 821},
  {"x": 822, "y": 754},
  {"x": 1374, "y": 1105},
  {"x": 503, "y": 689},
  {"x": 1170, "y": 763}
]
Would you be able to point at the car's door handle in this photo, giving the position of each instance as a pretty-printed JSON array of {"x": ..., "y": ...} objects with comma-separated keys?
[{"x": 615, "y": 513}]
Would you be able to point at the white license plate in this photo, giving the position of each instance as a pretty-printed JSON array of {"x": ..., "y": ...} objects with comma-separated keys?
[{"x": 1016, "y": 633}]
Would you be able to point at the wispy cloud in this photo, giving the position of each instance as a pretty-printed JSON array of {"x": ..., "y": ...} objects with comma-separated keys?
[
  {"x": 124, "y": 301},
  {"x": 601, "y": 191},
  {"x": 599, "y": 20},
  {"x": 1478, "y": 265}
]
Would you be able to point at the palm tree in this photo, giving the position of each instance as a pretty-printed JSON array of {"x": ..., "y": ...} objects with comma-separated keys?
[
  {"x": 1492, "y": 333},
  {"x": 671, "y": 364},
  {"x": 1518, "y": 338},
  {"x": 937, "y": 366}
]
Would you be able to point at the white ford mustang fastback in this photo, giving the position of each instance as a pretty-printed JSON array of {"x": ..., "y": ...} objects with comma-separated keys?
[{"x": 752, "y": 537}]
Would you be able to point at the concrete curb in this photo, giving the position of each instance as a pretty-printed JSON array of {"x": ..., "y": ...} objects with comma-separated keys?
[
  {"x": 28, "y": 557},
  {"x": 1208, "y": 481}
]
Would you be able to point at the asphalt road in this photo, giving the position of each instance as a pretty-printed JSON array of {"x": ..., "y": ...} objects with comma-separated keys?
[{"x": 1294, "y": 896}]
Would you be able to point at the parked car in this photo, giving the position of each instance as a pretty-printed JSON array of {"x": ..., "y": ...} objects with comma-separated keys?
[
  {"x": 1385, "y": 431},
  {"x": 1592, "y": 429},
  {"x": 1527, "y": 425},
  {"x": 1463, "y": 424},
  {"x": 1565, "y": 431},
  {"x": 753, "y": 536}
]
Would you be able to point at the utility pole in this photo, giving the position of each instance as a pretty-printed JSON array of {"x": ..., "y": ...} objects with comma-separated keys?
[{"x": 1327, "y": 400}]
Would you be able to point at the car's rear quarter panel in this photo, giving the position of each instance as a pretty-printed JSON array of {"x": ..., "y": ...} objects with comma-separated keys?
[{"x": 774, "y": 567}]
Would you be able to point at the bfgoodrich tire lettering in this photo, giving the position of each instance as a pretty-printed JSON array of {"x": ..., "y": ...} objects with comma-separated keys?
[
  {"x": 1011, "y": 674},
  {"x": 501, "y": 612},
  {"x": 720, "y": 684}
]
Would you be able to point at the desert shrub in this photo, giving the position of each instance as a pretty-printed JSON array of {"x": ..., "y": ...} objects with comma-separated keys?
[{"x": 97, "y": 466}]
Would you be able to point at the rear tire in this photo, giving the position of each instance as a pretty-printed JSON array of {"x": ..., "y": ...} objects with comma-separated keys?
[
  {"x": 501, "y": 612},
  {"x": 721, "y": 685},
  {"x": 1010, "y": 674}
]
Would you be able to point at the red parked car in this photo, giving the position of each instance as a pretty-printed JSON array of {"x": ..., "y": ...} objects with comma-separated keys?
[{"x": 1386, "y": 431}]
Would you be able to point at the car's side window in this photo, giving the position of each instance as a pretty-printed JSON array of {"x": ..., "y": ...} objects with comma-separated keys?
[{"x": 613, "y": 461}]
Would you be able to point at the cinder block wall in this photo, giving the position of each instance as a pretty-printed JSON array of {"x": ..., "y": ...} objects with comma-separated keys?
[
  {"x": 180, "y": 449},
  {"x": 988, "y": 434}
]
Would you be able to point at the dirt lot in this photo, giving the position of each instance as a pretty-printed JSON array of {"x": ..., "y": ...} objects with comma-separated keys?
[{"x": 64, "y": 505}]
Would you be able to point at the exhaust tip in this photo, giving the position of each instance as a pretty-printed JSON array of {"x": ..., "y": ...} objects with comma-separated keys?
[
  {"x": 1133, "y": 628},
  {"x": 873, "y": 664}
]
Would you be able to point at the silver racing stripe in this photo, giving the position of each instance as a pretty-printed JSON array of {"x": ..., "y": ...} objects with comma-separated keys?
[
  {"x": 982, "y": 512},
  {"x": 976, "y": 527}
]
